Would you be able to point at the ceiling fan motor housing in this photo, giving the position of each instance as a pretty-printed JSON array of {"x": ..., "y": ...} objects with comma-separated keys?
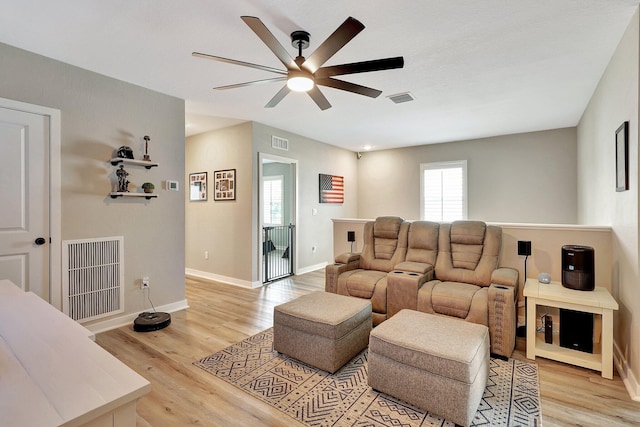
[{"x": 300, "y": 39}]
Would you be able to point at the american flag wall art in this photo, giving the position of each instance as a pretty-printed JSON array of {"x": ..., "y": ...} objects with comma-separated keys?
[{"x": 331, "y": 189}]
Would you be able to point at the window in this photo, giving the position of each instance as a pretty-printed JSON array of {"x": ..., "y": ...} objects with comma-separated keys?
[
  {"x": 443, "y": 191},
  {"x": 272, "y": 190}
]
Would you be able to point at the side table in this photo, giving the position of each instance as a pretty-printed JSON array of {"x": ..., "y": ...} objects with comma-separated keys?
[{"x": 599, "y": 302}]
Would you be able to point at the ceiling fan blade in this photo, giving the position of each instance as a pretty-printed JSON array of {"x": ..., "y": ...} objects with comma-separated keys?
[
  {"x": 255, "y": 82},
  {"x": 319, "y": 98},
  {"x": 360, "y": 67},
  {"x": 340, "y": 37},
  {"x": 236, "y": 62},
  {"x": 278, "y": 97},
  {"x": 349, "y": 87},
  {"x": 269, "y": 39}
]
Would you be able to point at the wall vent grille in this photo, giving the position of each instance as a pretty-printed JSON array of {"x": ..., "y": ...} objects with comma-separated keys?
[
  {"x": 93, "y": 278},
  {"x": 279, "y": 143},
  {"x": 399, "y": 98}
]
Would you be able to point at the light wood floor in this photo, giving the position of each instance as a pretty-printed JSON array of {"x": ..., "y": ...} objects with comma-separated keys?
[{"x": 220, "y": 315}]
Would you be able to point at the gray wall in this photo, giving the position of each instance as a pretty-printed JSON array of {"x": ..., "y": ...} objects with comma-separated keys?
[
  {"x": 528, "y": 177},
  {"x": 99, "y": 114},
  {"x": 615, "y": 101},
  {"x": 230, "y": 230},
  {"x": 314, "y": 158}
]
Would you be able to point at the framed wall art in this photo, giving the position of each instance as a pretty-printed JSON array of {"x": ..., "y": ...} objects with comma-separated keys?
[
  {"x": 622, "y": 157},
  {"x": 331, "y": 189},
  {"x": 224, "y": 185},
  {"x": 198, "y": 187}
]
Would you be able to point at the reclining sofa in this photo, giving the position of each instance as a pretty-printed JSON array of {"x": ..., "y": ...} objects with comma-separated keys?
[{"x": 446, "y": 269}]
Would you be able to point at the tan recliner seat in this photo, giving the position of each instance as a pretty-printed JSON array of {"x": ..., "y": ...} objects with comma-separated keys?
[
  {"x": 469, "y": 285},
  {"x": 365, "y": 275}
]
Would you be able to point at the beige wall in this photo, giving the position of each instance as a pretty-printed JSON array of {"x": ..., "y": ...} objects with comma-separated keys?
[
  {"x": 223, "y": 228},
  {"x": 99, "y": 114},
  {"x": 528, "y": 177},
  {"x": 616, "y": 100}
]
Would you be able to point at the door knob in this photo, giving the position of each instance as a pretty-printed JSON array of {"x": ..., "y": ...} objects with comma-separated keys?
[{"x": 40, "y": 241}]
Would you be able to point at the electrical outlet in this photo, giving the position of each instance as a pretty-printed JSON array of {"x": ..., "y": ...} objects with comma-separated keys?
[
  {"x": 313, "y": 249},
  {"x": 206, "y": 254},
  {"x": 145, "y": 283}
]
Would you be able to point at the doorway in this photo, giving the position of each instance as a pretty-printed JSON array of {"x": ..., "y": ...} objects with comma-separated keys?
[
  {"x": 30, "y": 198},
  {"x": 278, "y": 217}
]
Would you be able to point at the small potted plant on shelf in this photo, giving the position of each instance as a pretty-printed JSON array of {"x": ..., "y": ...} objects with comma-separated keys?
[{"x": 148, "y": 187}]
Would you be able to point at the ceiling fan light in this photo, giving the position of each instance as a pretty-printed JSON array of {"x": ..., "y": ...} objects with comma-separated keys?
[{"x": 300, "y": 83}]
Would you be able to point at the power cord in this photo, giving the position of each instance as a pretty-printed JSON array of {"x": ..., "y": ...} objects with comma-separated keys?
[{"x": 148, "y": 289}]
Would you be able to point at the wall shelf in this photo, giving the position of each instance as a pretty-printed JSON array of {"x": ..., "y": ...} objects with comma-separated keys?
[
  {"x": 116, "y": 194},
  {"x": 116, "y": 160}
]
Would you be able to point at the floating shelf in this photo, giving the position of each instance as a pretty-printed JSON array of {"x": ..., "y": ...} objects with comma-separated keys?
[
  {"x": 144, "y": 163},
  {"x": 115, "y": 194}
]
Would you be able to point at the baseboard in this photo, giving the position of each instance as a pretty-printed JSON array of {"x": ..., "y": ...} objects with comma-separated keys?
[
  {"x": 127, "y": 319},
  {"x": 628, "y": 378},
  {"x": 311, "y": 268},
  {"x": 223, "y": 279}
]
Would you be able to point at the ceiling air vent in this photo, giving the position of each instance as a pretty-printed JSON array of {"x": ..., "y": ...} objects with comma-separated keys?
[
  {"x": 279, "y": 143},
  {"x": 399, "y": 98}
]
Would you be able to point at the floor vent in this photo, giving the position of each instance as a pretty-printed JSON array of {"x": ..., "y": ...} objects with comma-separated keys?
[
  {"x": 93, "y": 278},
  {"x": 399, "y": 98},
  {"x": 279, "y": 143}
]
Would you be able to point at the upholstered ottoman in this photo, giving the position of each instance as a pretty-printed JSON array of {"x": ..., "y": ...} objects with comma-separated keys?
[
  {"x": 322, "y": 329},
  {"x": 438, "y": 364}
]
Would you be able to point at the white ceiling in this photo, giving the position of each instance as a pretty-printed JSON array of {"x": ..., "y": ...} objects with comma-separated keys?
[{"x": 476, "y": 68}]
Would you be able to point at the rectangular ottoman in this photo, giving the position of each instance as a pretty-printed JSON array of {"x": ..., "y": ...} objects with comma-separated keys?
[
  {"x": 322, "y": 329},
  {"x": 435, "y": 363}
]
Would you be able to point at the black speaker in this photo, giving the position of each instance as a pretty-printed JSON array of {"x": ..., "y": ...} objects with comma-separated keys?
[
  {"x": 524, "y": 247},
  {"x": 576, "y": 330},
  {"x": 351, "y": 236},
  {"x": 578, "y": 267}
]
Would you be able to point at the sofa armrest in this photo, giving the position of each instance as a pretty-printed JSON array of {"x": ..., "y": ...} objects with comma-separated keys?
[
  {"x": 347, "y": 258},
  {"x": 506, "y": 277},
  {"x": 415, "y": 267},
  {"x": 344, "y": 262},
  {"x": 502, "y": 319}
]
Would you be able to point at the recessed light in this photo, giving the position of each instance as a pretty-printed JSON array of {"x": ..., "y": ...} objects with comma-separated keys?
[{"x": 366, "y": 148}]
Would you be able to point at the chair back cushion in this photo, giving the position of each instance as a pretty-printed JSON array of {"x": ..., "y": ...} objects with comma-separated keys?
[
  {"x": 468, "y": 252},
  {"x": 385, "y": 243},
  {"x": 422, "y": 243}
]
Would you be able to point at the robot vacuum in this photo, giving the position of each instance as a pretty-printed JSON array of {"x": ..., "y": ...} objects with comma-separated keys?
[{"x": 147, "y": 321}]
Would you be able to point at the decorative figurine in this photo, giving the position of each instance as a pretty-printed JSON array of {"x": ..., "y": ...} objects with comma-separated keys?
[
  {"x": 146, "y": 149},
  {"x": 123, "y": 183}
]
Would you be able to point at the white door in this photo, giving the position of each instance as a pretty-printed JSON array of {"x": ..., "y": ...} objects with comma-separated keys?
[{"x": 24, "y": 200}]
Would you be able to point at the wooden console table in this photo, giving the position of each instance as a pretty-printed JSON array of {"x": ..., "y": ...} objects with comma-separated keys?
[
  {"x": 53, "y": 374},
  {"x": 598, "y": 301}
]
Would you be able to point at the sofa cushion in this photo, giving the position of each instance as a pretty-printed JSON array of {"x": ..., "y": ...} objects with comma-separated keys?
[
  {"x": 453, "y": 298},
  {"x": 385, "y": 236},
  {"x": 362, "y": 283},
  {"x": 422, "y": 243}
]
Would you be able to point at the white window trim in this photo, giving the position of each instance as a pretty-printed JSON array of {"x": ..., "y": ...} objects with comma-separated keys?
[
  {"x": 275, "y": 178},
  {"x": 445, "y": 165}
]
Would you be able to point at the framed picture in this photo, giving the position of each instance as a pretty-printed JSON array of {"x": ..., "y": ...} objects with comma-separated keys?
[
  {"x": 622, "y": 157},
  {"x": 198, "y": 187},
  {"x": 331, "y": 189},
  {"x": 224, "y": 185}
]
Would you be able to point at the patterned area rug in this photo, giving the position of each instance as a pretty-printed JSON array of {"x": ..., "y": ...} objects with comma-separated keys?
[{"x": 317, "y": 398}]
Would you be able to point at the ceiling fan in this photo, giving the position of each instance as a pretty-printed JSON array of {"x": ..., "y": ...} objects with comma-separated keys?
[{"x": 306, "y": 74}]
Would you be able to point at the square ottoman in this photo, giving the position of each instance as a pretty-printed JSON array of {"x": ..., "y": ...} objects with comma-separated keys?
[
  {"x": 435, "y": 363},
  {"x": 322, "y": 329}
]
